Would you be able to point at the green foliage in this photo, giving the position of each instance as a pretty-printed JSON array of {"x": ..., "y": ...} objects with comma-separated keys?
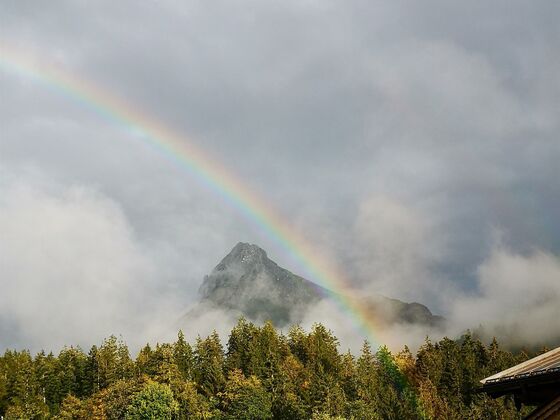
[
  {"x": 261, "y": 374},
  {"x": 154, "y": 402},
  {"x": 112, "y": 402},
  {"x": 209, "y": 365},
  {"x": 72, "y": 408},
  {"x": 183, "y": 356},
  {"x": 33, "y": 408},
  {"x": 113, "y": 362},
  {"x": 192, "y": 405},
  {"x": 245, "y": 398}
]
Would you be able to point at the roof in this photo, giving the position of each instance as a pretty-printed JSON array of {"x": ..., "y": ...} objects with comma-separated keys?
[
  {"x": 545, "y": 363},
  {"x": 532, "y": 382}
]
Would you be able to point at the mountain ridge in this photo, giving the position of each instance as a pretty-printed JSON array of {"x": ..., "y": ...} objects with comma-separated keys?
[{"x": 248, "y": 283}]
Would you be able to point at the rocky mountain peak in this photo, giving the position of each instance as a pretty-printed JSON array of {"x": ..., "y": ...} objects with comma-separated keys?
[
  {"x": 243, "y": 253},
  {"x": 248, "y": 283}
]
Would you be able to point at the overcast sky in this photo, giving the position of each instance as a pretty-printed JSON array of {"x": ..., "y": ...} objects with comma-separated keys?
[{"x": 413, "y": 143}]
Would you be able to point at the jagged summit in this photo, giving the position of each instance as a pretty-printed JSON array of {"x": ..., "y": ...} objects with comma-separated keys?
[{"x": 243, "y": 253}]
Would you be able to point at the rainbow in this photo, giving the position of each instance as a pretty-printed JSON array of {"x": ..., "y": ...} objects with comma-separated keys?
[{"x": 213, "y": 174}]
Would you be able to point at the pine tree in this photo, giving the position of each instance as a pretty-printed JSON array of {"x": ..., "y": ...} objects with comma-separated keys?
[
  {"x": 145, "y": 364},
  {"x": 183, "y": 355},
  {"x": 192, "y": 405},
  {"x": 164, "y": 369},
  {"x": 48, "y": 380},
  {"x": 92, "y": 381},
  {"x": 240, "y": 346},
  {"x": 209, "y": 364},
  {"x": 72, "y": 367}
]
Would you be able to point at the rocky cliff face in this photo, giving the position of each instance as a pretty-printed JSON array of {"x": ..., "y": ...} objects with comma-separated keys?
[{"x": 246, "y": 282}]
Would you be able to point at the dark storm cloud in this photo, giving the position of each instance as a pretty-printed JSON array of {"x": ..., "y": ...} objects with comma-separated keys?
[{"x": 393, "y": 134}]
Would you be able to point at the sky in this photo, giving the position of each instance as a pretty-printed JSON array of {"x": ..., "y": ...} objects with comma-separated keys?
[{"x": 414, "y": 144}]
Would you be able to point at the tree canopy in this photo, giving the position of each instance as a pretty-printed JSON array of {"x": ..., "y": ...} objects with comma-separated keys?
[{"x": 259, "y": 374}]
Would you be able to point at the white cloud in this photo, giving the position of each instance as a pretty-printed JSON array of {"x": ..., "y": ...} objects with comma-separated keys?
[
  {"x": 72, "y": 270},
  {"x": 517, "y": 299}
]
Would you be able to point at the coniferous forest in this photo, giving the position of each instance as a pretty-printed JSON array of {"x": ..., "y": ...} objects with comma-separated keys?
[{"x": 259, "y": 374}]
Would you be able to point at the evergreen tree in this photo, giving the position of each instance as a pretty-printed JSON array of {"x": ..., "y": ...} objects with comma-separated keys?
[
  {"x": 240, "y": 346},
  {"x": 145, "y": 362},
  {"x": 209, "y": 365},
  {"x": 268, "y": 375},
  {"x": 71, "y": 367},
  {"x": 164, "y": 368},
  {"x": 293, "y": 398},
  {"x": 48, "y": 379},
  {"x": 92, "y": 382},
  {"x": 183, "y": 355},
  {"x": 192, "y": 405}
]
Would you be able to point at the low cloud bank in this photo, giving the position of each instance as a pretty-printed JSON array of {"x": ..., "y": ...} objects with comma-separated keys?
[
  {"x": 518, "y": 299},
  {"x": 73, "y": 272},
  {"x": 72, "y": 269},
  {"x": 515, "y": 296}
]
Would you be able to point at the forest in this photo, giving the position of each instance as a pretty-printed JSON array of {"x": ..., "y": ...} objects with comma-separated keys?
[{"x": 260, "y": 373}]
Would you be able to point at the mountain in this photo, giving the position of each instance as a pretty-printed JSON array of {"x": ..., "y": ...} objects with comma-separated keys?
[{"x": 246, "y": 282}]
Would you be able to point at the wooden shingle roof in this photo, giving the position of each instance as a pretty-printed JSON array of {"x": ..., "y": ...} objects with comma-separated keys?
[
  {"x": 545, "y": 363},
  {"x": 533, "y": 382}
]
